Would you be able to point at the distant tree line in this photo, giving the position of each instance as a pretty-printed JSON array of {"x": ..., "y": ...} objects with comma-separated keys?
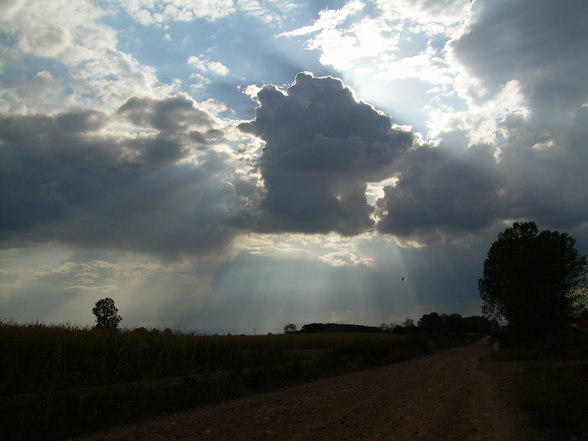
[
  {"x": 337, "y": 327},
  {"x": 454, "y": 324},
  {"x": 443, "y": 324},
  {"x": 432, "y": 322}
]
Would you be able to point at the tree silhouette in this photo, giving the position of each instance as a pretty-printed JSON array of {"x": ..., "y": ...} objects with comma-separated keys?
[
  {"x": 290, "y": 328},
  {"x": 106, "y": 314},
  {"x": 535, "y": 280},
  {"x": 431, "y": 322},
  {"x": 408, "y": 323}
]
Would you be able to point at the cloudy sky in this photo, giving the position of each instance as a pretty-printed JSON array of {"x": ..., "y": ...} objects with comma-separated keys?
[{"x": 242, "y": 164}]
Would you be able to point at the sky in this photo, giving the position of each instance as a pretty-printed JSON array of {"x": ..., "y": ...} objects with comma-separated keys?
[{"x": 237, "y": 165}]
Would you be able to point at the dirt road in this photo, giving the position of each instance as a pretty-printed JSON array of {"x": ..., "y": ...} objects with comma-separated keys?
[{"x": 450, "y": 395}]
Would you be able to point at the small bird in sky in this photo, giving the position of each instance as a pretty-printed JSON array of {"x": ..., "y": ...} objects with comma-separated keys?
[{"x": 402, "y": 279}]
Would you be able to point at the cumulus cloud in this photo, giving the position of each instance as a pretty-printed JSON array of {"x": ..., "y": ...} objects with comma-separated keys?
[
  {"x": 322, "y": 147},
  {"x": 166, "y": 191}
]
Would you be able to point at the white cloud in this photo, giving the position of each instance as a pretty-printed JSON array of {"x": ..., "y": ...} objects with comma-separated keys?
[
  {"x": 342, "y": 48},
  {"x": 205, "y": 65},
  {"x": 343, "y": 42},
  {"x": 214, "y": 106},
  {"x": 161, "y": 12},
  {"x": 251, "y": 91},
  {"x": 256, "y": 9},
  {"x": 426, "y": 66},
  {"x": 9, "y": 9},
  {"x": 199, "y": 81},
  {"x": 217, "y": 68},
  {"x": 328, "y": 19},
  {"x": 98, "y": 74},
  {"x": 426, "y": 12},
  {"x": 482, "y": 121},
  {"x": 195, "y": 62},
  {"x": 42, "y": 93},
  {"x": 345, "y": 258},
  {"x": 330, "y": 249},
  {"x": 48, "y": 41}
]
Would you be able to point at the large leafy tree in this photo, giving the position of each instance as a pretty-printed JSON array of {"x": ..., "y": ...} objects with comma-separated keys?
[
  {"x": 535, "y": 280},
  {"x": 106, "y": 314}
]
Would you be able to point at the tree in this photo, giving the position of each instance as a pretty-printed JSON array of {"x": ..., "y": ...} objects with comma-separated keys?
[
  {"x": 106, "y": 314},
  {"x": 290, "y": 328},
  {"x": 431, "y": 322},
  {"x": 452, "y": 323},
  {"x": 408, "y": 323},
  {"x": 535, "y": 280}
]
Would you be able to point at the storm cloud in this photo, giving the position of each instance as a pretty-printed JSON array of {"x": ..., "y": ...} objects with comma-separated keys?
[
  {"x": 322, "y": 148},
  {"x": 166, "y": 191}
]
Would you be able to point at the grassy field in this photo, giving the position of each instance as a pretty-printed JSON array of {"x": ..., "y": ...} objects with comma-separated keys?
[
  {"x": 56, "y": 364},
  {"x": 553, "y": 387}
]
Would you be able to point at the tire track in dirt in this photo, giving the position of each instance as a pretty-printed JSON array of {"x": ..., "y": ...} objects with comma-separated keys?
[{"x": 450, "y": 395}]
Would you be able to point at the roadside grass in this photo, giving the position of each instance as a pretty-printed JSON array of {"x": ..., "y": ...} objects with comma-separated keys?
[
  {"x": 556, "y": 398},
  {"x": 564, "y": 345},
  {"x": 553, "y": 387},
  {"x": 53, "y": 362}
]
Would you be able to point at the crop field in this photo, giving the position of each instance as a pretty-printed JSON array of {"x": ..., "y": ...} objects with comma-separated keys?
[{"x": 54, "y": 378}]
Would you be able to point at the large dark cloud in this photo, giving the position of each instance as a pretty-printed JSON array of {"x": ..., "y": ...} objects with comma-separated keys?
[
  {"x": 322, "y": 147},
  {"x": 442, "y": 196},
  {"x": 64, "y": 179},
  {"x": 544, "y": 171}
]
